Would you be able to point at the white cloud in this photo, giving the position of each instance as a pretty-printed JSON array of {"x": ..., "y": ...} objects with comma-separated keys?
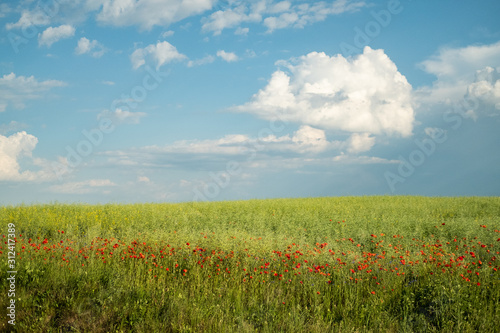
[
  {"x": 360, "y": 142},
  {"x": 275, "y": 15},
  {"x": 306, "y": 140},
  {"x": 352, "y": 159},
  {"x": 434, "y": 132},
  {"x": 161, "y": 53},
  {"x": 241, "y": 31},
  {"x": 16, "y": 147},
  {"x": 227, "y": 145},
  {"x": 148, "y": 13},
  {"x": 143, "y": 179},
  {"x": 167, "y": 33},
  {"x": 83, "y": 187},
  {"x": 11, "y": 148},
  {"x": 84, "y": 45},
  {"x": 44, "y": 13},
  {"x": 309, "y": 139},
  {"x": 108, "y": 83},
  {"x": 280, "y": 22},
  {"x": 51, "y": 35},
  {"x": 250, "y": 53},
  {"x": 485, "y": 92},
  {"x": 15, "y": 90},
  {"x": 460, "y": 62},
  {"x": 230, "y": 18},
  {"x": 4, "y": 9},
  {"x": 227, "y": 56},
  {"x": 29, "y": 18},
  {"x": 280, "y": 7},
  {"x": 13, "y": 126},
  {"x": 203, "y": 61},
  {"x": 364, "y": 94},
  {"x": 455, "y": 69},
  {"x": 122, "y": 116},
  {"x": 94, "y": 48}
]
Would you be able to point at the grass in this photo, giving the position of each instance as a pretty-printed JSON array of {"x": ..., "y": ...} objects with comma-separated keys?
[{"x": 348, "y": 264}]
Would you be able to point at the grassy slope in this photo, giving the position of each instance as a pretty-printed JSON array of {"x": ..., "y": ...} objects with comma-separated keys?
[{"x": 123, "y": 295}]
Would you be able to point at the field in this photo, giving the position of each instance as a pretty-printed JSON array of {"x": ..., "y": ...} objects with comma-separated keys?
[{"x": 347, "y": 264}]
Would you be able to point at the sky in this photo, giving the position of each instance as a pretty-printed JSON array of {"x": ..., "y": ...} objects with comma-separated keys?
[{"x": 122, "y": 101}]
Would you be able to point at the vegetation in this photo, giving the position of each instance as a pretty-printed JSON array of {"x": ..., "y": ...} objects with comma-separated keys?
[{"x": 347, "y": 264}]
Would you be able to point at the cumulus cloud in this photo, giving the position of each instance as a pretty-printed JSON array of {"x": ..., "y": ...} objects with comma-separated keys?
[
  {"x": 360, "y": 142},
  {"x": 484, "y": 92},
  {"x": 94, "y": 48},
  {"x": 120, "y": 116},
  {"x": 11, "y": 148},
  {"x": 51, "y": 35},
  {"x": 227, "y": 56},
  {"x": 160, "y": 54},
  {"x": 149, "y": 13},
  {"x": 83, "y": 187},
  {"x": 16, "y": 90},
  {"x": 455, "y": 69},
  {"x": 16, "y": 147},
  {"x": 309, "y": 139},
  {"x": 364, "y": 94}
]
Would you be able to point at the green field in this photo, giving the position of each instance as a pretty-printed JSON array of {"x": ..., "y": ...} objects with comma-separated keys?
[{"x": 347, "y": 264}]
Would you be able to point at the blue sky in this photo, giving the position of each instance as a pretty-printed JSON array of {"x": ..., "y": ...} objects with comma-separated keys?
[{"x": 175, "y": 100}]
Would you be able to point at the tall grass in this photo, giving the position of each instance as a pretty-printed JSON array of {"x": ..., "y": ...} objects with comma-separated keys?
[{"x": 391, "y": 264}]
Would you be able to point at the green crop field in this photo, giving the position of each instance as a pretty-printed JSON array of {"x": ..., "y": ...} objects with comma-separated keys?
[{"x": 347, "y": 264}]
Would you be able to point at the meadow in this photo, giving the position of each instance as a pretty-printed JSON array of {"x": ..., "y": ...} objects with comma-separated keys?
[{"x": 342, "y": 264}]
